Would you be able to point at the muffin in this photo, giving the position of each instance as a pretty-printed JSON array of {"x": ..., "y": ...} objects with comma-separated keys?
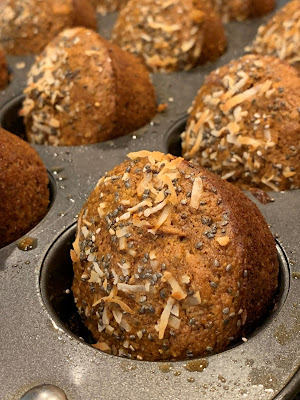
[
  {"x": 27, "y": 26},
  {"x": 83, "y": 89},
  {"x": 3, "y": 70},
  {"x": 280, "y": 37},
  {"x": 245, "y": 124},
  {"x": 240, "y": 9},
  {"x": 170, "y": 262},
  {"x": 24, "y": 193},
  {"x": 107, "y": 6},
  {"x": 170, "y": 36}
]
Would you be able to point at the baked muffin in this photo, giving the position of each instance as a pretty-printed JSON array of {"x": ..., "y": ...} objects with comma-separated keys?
[
  {"x": 3, "y": 70},
  {"x": 107, "y": 6},
  {"x": 170, "y": 36},
  {"x": 170, "y": 261},
  {"x": 280, "y": 37},
  {"x": 27, "y": 26},
  {"x": 24, "y": 193},
  {"x": 240, "y": 9},
  {"x": 83, "y": 89},
  {"x": 245, "y": 124}
]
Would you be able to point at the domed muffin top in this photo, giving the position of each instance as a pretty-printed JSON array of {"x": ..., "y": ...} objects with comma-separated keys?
[
  {"x": 244, "y": 124},
  {"x": 26, "y": 26},
  {"x": 170, "y": 261}
]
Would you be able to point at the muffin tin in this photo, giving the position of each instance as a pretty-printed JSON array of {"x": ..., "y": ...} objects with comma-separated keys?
[{"x": 42, "y": 338}]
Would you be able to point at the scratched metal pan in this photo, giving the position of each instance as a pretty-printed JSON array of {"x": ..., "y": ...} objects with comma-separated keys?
[{"x": 42, "y": 339}]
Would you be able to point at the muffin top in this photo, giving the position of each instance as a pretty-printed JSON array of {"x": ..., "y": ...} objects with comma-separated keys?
[
  {"x": 169, "y": 35},
  {"x": 244, "y": 124},
  {"x": 280, "y": 37},
  {"x": 26, "y": 26},
  {"x": 82, "y": 89},
  {"x": 240, "y": 9},
  {"x": 24, "y": 193},
  {"x": 170, "y": 261}
]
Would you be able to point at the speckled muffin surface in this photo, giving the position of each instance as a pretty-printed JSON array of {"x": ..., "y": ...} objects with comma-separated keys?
[
  {"x": 27, "y": 26},
  {"x": 107, "y": 6},
  {"x": 240, "y": 9},
  {"x": 83, "y": 89},
  {"x": 3, "y": 70},
  {"x": 170, "y": 262},
  {"x": 24, "y": 193},
  {"x": 170, "y": 36},
  {"x": 244, "y": 124},
  {"x": 280, "y": 37}
]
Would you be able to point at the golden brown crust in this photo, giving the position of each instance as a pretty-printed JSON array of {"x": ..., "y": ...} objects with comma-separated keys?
[
  {"x": 244, "y": 124},
  {"x": 205, "y": 252},
  {"x": 240, "y": 9},
  {"x": 109, "y": 92},
  {"x": 280, "y": 36},
  {"x": 24, "y": 193},
  {"x": 26, "y": 26},
  {"x": 169, "y": 36},
  {"x": 3, "y": 70}
]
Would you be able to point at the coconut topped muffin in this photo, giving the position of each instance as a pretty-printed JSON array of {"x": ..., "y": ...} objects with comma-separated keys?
[
  {"x": 170, "y": 261},
  {"x": 83, "y": 89},
  {"x": 170, "y": 35},
  {"x": 3, "y": 70},
  {"x": 24, "y": 193},
  {"x": 27, "y": 26},
  {"x": 244, "y": 124},
  {"x": 280, "y": 37},
  {"x": 107, "y": 6},
  {"x": 240, "y": 9}
]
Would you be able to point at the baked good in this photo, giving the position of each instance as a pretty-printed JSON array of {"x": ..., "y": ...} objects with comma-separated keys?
[
  {"x": 240, "y": 9},
  {"x": 27, "y": 26},
  {"x": 280, "y": 37},
  {"x": 24, "y": 193},
  {"x": 83, "y": 89},
  {"x": 170, "y": 262},
  {"x": 107, "y": 6},
  {"x": 244, "y": 124},
  {"x": 3, "y": 70},
  {"x": 170, "y": 36}
]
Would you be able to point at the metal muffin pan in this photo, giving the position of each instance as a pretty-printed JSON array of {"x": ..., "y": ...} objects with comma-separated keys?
[{"x": 41, "y": 339}]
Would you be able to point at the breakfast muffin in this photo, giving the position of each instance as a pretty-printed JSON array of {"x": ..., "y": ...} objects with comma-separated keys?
[
  {"x": 245, "y": 124},
  {"x": 27, "y": 26},
  {"x": 170, "y": 36},
  {"x": 3, "y": 70},
  {"x": 106, "y": 6},
  {"x": 280, "y": 37},
  {"x": 170, "y": 262},
  {"x": 240, "y": 9},
  {"x": 83, "y": 89},
  {"x": 24, "y": 193}
]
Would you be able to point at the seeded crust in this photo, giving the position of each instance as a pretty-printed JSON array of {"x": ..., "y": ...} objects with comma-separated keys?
[
  {"x": 83, "y": 89},
  {"x": 27, "y": 26},
  {"x": 3, "y": 70},
  {"x": 240, "y": 9},
  {"x": 24, "y": 193},
  {"x": 170, "y": 35},
  {"x": 205, "y": 251},
  {"x": 244, "y": 124},
  {"x": 280, "y": 37},
  {"x": 107, "y": 6}
]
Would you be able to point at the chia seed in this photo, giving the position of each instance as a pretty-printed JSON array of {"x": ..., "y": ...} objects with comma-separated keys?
[
  {"x": 213, "y": 285},
  {"x": 199, "y": 245}
]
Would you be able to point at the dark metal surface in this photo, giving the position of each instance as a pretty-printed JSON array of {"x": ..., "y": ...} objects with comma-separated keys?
[{"x": 36, "y": 347}]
